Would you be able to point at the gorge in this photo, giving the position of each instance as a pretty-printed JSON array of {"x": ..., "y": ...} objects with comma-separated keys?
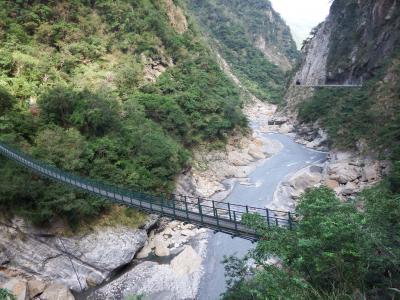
[{"x": 200, "y": 98}]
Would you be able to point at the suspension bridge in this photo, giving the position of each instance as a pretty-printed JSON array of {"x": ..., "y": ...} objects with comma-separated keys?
[{"x": 219, "y": 216}]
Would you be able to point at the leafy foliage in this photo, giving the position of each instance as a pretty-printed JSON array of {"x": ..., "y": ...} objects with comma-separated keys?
[
  {"x": 6, "y": 295},
  {"x": 336, "y": 252},
  {"x": 77, "y": 91}
]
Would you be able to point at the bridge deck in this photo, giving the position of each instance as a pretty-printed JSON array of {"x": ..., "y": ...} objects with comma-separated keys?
[
  {"x": 330, "y": 85},
  {"x": 219, "y": 216}
]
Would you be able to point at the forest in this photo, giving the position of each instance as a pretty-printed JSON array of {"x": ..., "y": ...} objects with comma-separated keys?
[{"x": 75, "y": 93}]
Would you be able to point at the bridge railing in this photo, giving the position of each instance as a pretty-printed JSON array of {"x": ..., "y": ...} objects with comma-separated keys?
[{"x": 175, "y": 205}]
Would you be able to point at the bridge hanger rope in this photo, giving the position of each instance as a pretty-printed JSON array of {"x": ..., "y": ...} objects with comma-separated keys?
[{"x": 220, "y": 216}]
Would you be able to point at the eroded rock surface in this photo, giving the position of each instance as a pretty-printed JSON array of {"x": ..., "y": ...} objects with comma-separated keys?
[
  {"x": 346, "y": 173},
  {"x": 178, "y": 279},
  {"x": 47, "y": 256}
]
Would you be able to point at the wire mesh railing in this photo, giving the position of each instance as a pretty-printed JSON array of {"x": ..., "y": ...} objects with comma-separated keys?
[{"x": 221, "y": 216}]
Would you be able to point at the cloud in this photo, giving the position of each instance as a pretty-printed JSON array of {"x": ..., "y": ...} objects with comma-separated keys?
[{"x": 302, "y": 15}]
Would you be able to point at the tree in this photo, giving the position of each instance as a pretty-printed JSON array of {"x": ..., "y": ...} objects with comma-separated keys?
[
  {"x": 57, "y": 105},
  {"x": 67, "y": 149},
  {"x": 335, "y": 252},
  {"x": 7, "y": 101}
]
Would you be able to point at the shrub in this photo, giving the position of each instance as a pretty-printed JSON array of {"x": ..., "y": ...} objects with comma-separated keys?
[{"x": 7, "y": 101}]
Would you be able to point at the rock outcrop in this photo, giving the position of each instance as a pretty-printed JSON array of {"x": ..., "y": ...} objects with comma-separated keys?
[
  {"x": 56, "y": 292},
  {"x": 169, "y": 239},
  {"x": 176, "y": 279},
  {"x": 346, "y": 173},
  {"x": 18, "y": 287},
  {"x": 176, "y": 16},
  {"x": 313, "y": 70},
  {"x": 94, "y": 255}
]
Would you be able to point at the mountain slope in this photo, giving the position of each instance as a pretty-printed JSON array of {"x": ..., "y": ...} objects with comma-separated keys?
[
  {"x": 114, "y": 90},
  {"x": 253, "y": 39}
]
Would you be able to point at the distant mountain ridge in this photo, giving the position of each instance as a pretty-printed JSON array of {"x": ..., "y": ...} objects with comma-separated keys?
[{"x": 253, "y": 39}]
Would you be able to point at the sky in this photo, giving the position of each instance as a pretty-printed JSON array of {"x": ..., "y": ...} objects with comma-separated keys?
[{"x": 302, "y": 15}]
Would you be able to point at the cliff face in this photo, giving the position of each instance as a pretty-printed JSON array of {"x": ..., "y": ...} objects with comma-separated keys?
[
  {"x": 313, "y": 70},
  {"x": 365, "y": 34},
  {"x": 353, "y": 43},
  {"x": 357, "y": 44},
  {"x": 252, "y": 38}
]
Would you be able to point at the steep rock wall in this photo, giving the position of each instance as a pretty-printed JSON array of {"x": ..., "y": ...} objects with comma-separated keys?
[{"x": 352, "y": 44}]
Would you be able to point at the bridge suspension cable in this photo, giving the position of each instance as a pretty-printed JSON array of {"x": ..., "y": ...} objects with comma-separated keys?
[{"x": 219, "y": 216}]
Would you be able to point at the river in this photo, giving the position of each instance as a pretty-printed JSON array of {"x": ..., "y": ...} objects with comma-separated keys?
[{"x": 264, "y": 180}]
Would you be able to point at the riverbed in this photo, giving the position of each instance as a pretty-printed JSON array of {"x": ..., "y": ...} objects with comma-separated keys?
[
  {"x": 207, "y": 279},
  {"x": 258, "y": 191}
]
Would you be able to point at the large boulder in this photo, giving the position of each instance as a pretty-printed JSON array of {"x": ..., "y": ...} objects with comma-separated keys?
[
  {"x": 370, "y": 173},
  {"x": 349, "y": 189},
  {"x": 176, "y": 280},
  {"x": 155, "y": 281},
  {"x": 256, "y": 153},
  {"x": 187, "y": 262},
  {"x": 290, "y": 190},
  {"x": 332, "y": 184},
  {"x": 94, "y": 256},
  {"x": 107, "y": 248},
  {"x": 57, "y": 292},
  {"x": 35, "y": 287},
  {"x": 303, "y": 180},
  {"x": 343, "y": 172},
  {"x": 18, "y": 288}
]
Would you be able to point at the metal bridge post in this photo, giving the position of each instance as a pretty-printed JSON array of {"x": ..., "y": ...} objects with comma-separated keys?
[
  {"x": 200, "y": 210},
  {"x": 267, "y": 210},
  {"x": 162, "y": 204},
  {"x": 213, "y": 206},
  {"x": 247, "y": 209},
  {"x": 234, "y": 219},
  {"x": 290, "y": 220},
  {"x": 216, "y": 216},
  {"x": 173, "y": 206},
  {"x": 186, "y": 207},
  {"x": 229, "y": 211}
]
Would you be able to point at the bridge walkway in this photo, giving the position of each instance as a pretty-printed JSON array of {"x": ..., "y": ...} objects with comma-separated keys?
[{"x": 219, "y": 216}]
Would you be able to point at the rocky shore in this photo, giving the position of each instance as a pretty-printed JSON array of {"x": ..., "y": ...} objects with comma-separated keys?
[{"x": 346, "y": 172}]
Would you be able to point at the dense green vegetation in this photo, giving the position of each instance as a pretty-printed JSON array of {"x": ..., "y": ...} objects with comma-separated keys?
[
  {"x": 336, "y": 252},
  {"x": 234, "y": 25},
  {"x": 73, "y": 93},
  {"x": 6, "y": 295}
]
